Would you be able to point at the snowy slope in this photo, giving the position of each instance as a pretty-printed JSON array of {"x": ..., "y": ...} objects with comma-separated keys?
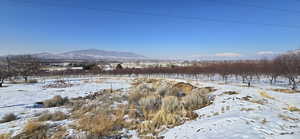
[{"x": 232, "y": 117}]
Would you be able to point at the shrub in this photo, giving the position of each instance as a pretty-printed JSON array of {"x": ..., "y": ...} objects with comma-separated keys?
[
  {"x": 231, "y": 93},
  {"x": 166, "y": 118},
  {"x": 55, "y": 101},
  {"x": 194, "y": 101},
  {"x": 8, "y": 117},
  {"x": 32, "y": 81},
  {"x": 102, "y": 124},
  {"x": 162, "y": 91},
  {"x": 292, "y": 108},
  {"x": 266, "y": 95},
  {"x": 33, "y": 130},
  {"x": 171, "y": 104},
  {"x": 134, "y": 97},
  {"x": 5, "y": 136},
  {"x": 150, "y": 103},
  {"x": 56, "y": 116}
]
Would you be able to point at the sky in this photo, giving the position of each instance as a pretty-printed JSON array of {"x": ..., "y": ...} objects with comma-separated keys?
[{"x": 154, "y": 28}]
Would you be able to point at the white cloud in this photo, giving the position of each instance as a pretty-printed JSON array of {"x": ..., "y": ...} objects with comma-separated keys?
[
  {"x": 227, "y": 54},
  {"x": 265, "y": 53}
]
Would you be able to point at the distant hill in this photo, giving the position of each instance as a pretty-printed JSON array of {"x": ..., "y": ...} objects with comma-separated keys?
[{"x": 90, "y": 54}]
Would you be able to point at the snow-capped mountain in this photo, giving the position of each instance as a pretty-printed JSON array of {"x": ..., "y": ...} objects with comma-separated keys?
[{"x": 90, "y": 54}]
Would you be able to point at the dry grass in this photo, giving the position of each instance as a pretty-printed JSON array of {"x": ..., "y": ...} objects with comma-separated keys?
[
  {"x": 194, "y": 101},
  {"x": 185, "y": 87},
  {"x": 8, "y": 118},
  {"x": 166, "y": 118},
  {"x": 102, "y": 124},
  {"x": 264, "y": 121},
  {"x": 150, "y": 103},
  {"x": 55, "y": 101},
  {"x": 286, "y": 117},
  {"x": 293, "y": 109},
  {"x": 266, "y": 95},
  {"x": 171, "y": 104},
  {"x": 247, "y": 109},
  {"x": 231, "y": 93},
  {"x": 5, "y": 136},
  {"x": 56, "y": 116},
  {"x": 32, "y": 81},
  {"x": 289, "y": 91},
  {"x": 33, "y": 130},
  {"x": 142, "y": 90}
]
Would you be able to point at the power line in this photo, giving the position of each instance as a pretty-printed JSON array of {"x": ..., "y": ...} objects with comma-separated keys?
[
  {"x": 235, "y": 3},
  {"x": 129, "y": 12}
]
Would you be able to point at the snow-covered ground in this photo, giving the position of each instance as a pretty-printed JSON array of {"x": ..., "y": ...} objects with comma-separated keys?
[
  {"x": 230, "y": 116},
  {"x": 20, "y": 98},
  {"x": 247, "y": 114}
]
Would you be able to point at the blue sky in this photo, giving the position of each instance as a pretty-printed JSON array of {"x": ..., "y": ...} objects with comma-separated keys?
[{"x": 154, "y": 28}]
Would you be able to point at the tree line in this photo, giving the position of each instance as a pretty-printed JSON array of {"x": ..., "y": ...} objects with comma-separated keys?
[
  {"x": 286, "y": 66},
  {"x": 18, "y": 66}
]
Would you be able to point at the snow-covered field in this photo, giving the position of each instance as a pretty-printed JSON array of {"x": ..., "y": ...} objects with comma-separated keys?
[
  {"x": 230, "y": 116},
  {"x": 20, "y": 98},
  {"x": 247, "y": 114}
]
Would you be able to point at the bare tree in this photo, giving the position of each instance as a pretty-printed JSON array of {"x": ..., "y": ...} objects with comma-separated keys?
[
  {"x": 4, "y": 71},
  {"x": 24, "y": 65}
]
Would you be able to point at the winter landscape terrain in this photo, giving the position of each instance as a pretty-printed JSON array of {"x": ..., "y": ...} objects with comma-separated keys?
[{"x": 235, "y": 111}]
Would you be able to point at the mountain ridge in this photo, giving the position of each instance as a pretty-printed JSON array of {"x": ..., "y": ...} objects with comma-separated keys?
[{"x": 90, "y": 54}]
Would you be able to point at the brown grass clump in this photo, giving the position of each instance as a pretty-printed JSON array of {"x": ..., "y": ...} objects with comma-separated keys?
[
  {"x": 166, "y": 118},
  {"x": 231, "y": 93},
  {"x": 33, "y": 130},
  {"x": 5, "y": 136},
  {"x": 194, "y": 101},
  {"x": 264, "y": 121},
  {"x": 266, "y": 95},
  {"x": 171, "y": 104},
  {"x": 185, "y": 87},
  {"x": 102, "y": 124},
  {"x": 150, "y": 103},
  {"x": 8, "y": 117},
  {"x": 56, "y": 116},
  {"x": 293, "y": 109},
  {"x": 138, "y": 92},
  {"x": 32, "y": 81},
  {"x": 55, "y": 101},
  {"x": 247, "y": 109},
  {"x": 285, "y": 117},
  {"x": 289, "y": 91}
]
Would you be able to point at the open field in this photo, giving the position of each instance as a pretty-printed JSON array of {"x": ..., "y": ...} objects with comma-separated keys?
[{"x": 122, "y": 107}]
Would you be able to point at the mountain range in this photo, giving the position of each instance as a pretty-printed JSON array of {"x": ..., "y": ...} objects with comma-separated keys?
[{"x": 91, "y": 54}]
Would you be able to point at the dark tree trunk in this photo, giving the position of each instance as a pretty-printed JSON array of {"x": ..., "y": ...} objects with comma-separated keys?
[
  {"x": 26, "y": 79},
  {"x": 1, "y": 82}
]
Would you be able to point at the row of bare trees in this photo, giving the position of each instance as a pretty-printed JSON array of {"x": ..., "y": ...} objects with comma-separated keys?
[
  {"x": 287, "y": 66},
  {"x": 18, "y": 66}
]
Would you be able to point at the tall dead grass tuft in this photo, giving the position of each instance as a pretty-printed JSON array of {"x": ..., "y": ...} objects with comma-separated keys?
[
  {"x": 266, "y": 95},
  {"x": 55, "y": 101},
  {"x": 33, "y": 130},
  {"x": 150, "y": 103},
  {"x": 171, "y": 104},
  {"x": 5, "y": 136},
  {"x": 56, "y": 116},
  {"x": 102, "y": 124},
  {"x": 8, "y": 117},
  {"x": 195, "y": 100}
]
